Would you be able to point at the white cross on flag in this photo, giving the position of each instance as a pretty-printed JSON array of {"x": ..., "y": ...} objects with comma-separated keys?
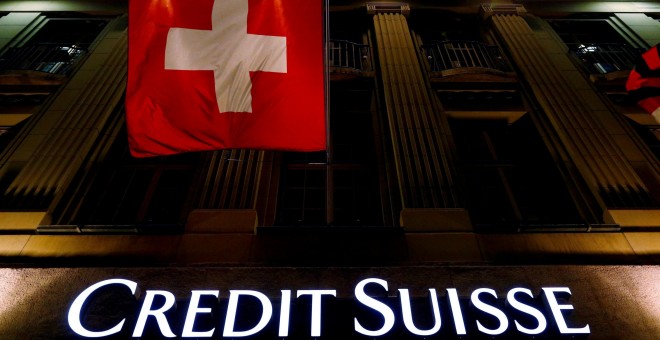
[{"x": 221, "y": 74}]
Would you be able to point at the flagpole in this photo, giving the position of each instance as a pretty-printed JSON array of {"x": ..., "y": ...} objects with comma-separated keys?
[
  {"x": 326, "y": 38},
  {"x": 328, "y": 140}
]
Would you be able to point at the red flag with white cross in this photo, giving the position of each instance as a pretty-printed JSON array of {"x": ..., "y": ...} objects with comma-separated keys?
[
  {"x": 225, "y": 74},
  {"x": 643, "y": 83}
]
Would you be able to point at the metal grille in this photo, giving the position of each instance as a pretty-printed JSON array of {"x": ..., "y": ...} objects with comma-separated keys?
[
  {"x": 456, "y": 54},
  {"x": 47, "y": 58},
  {"x": 347, "y": 54},
  {"x": 605, "y": 58}
]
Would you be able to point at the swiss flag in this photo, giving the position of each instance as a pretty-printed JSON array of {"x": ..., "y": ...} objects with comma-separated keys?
[{"x": 225, "y": 74}]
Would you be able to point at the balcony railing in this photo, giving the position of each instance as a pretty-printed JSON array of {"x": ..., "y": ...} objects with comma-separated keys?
[
  {"x": 462, "y": 54},
  {"x": 605, "y": 58},
  {"x": 345, "y": 54},
  {"x": 46, "y": 58}
]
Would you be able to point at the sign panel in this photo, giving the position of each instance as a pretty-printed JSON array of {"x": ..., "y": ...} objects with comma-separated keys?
[
  {"x": 373, "y": 313},
  {"x": 414, "y": 302}
]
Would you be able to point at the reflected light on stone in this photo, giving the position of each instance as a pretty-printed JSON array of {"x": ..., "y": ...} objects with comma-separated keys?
[
  {"x": 649, "y": 285},
  {"x": 17, "y": 290},
  {"x": 37, "y": 6},
  {"x": 641, "y": 282}
]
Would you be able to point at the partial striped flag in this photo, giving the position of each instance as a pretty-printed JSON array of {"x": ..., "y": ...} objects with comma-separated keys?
[{"x": 643, "y": 84}]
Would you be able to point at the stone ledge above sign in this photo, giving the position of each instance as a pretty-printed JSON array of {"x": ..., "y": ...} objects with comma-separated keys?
[
  {"x": 434, "y": 220},
  {"x": 242, "y": 221}
]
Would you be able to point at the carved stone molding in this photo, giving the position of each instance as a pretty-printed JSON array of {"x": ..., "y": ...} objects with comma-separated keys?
[
  {"x": 388, "y": 7},
  {"x": 488, "y": 10}
]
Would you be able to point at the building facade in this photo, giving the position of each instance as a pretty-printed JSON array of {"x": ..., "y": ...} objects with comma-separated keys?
[{"x": 469, "y": 142}]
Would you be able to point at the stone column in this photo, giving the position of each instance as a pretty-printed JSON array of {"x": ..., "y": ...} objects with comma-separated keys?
[
  {"x": 229, "y": 189},
  {"x": 594, "y": 141},
  {"x": 643, "y": 29},
  {"x": 55, "y": 147},
  {"x": 16, "y": 27},
  {"x": 417, "y": 131}
]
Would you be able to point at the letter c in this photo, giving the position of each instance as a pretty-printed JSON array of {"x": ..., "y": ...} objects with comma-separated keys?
[{"x": 76, "y": 309}]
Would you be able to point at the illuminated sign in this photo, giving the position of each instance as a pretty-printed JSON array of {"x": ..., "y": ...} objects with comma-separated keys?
[{"x": 372, "y": 313}]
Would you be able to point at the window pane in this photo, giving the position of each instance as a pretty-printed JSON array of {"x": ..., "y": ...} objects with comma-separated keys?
[{"x": 510, "y": 176}]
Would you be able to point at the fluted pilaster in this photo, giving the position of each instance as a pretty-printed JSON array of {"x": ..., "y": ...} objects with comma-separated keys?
[
  {"x": 593, "y": 150},
  {"x": 69, "y": 126},
  {"x": 419, "y": 146}
]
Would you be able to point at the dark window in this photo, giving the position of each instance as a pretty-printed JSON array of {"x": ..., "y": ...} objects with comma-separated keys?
[
  {"x": 510, "y": 178},
  {"x": 504, "y": 100},
  {"x": 345, "y": 191},
  {"x": 348, "y": 47},
  {"x": 454, "y": 43},
  {"x": 586, "y": 31},
  {"x": 55, "y": 47},
  {"x": 303, "y": 200},
  {"x": 348, "y": 25},
  {"x": 434, "y": 25},
  {"x": 127, "y": 191},
  {"x": 80, "y": 32},
  {"x": 596, "y": 44}
]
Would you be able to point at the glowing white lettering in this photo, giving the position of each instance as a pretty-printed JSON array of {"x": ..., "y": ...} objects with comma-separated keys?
[
  {"x": 556, "y": 308},
  {"x": 501, "y": 317},
  {"x": 407, "y": 313},
  {"x": 193, "y": 310},
  {"x": 159, "y": 314},
  {"x": 456, "y": 312},
  {"x": 511, "y": 300},
  {"x": 267, "y": 312},
  {"x": 79, "y": 302},
  {"x": 316, "y": 307},
  {"x": 285, "y": 310},
  {"x": 376, "y": 305},
  {"x": 484, "y": 300}
]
